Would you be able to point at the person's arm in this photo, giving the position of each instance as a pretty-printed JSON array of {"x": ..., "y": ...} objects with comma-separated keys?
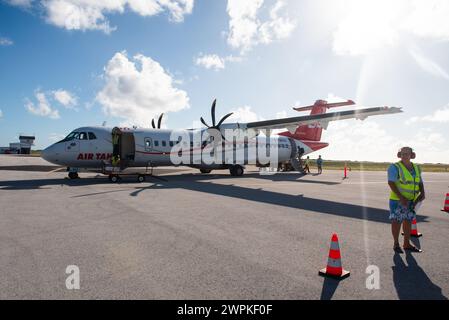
[
  {"x": 422, "y": 194},
  {"x": 395, "y": 189}
]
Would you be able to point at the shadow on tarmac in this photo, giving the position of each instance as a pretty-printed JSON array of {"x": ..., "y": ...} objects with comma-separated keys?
[
  {"x": 35, "y": 168},
  {"x": 195, "y": 182},
  {"x": 411, "y": 282},
  {"x": 329, "y": 287}
]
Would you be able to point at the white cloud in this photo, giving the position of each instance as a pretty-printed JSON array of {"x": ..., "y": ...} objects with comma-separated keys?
[
  {"x": 371, "y": 25},
  {"x": 368, "y": 25},
  {"x": 5, "y": 42},
  {"x": 244, "y": 114},
  {"x": 91, "y": 14},
  {"x": 373, "y": 143},
  {"x": 428, "y": 65},
  {"x": 210, "y": 61},
  {"x": 54, "y": 137},
  {"x": 138, "y": 90},
  {"x": 64, "y": 97},
  {"x": 245, "y": 28},
  {"x": 428, "y": 19},
  {"x": 43, "y": 107},
  {"x": 439, "y": 116},
  {"x": 213, "y": 61}
]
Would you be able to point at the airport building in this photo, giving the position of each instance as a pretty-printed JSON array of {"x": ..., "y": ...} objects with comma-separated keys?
[{"x": 22, "y": 147}]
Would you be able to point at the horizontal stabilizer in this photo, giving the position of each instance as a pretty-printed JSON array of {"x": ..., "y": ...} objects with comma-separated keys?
[{"x": 324, "y": 104}]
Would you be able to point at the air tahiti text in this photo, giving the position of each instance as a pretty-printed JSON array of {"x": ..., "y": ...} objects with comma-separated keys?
[{"x": 94, "y": 156}]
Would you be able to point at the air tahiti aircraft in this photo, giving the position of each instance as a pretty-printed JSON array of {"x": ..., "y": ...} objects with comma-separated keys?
[{"x": 90, "y": 148}]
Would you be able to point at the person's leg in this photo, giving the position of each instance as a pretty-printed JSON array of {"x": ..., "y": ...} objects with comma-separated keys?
[
  {"x": 407, "y": 227},
  {"x": 395, "y": 230}
]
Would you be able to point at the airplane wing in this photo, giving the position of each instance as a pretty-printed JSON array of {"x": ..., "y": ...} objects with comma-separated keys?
[{"x": 322, "y": 119}]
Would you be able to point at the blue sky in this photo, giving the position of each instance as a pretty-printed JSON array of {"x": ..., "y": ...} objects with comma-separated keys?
[{"x": 70, "y": 63}]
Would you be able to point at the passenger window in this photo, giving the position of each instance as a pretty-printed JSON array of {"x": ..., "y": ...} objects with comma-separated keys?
[
  {"x": 156, "y": 143},
  {"x": 92, "y": 136},
  {"x": 164, "y": 143},
  {"x": 172, "y": 143}
]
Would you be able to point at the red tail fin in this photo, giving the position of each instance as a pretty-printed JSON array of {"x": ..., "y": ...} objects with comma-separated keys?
[{"x": 312, "y": 132}]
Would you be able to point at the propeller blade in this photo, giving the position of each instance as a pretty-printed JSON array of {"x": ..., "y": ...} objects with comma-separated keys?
[
  {"x": 152, "y": 123},
  {"x": 159, "y": 121},
  {"x": 204, "y": 122},
  {"x": 224, "y": 118},
  {"x": 213, "y": 112}
]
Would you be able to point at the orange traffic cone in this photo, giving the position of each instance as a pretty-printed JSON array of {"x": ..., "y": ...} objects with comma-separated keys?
[
  {"x": 414, "y": 232},
  {"x": 446, "y": 204},
  {"x": 334, "y": 268}
]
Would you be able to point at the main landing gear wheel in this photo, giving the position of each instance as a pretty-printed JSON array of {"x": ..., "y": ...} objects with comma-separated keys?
[
  {"x": 141, "y": 178},
  {"x": 205, "y": 170},
  {"x": 113, "y": 178},
  {"x": 236, "y": 170},
  {"x": 73, "y": 175}
]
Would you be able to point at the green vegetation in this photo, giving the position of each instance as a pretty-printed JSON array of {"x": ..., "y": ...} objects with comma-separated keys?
[{"x": 375, "y": 166}]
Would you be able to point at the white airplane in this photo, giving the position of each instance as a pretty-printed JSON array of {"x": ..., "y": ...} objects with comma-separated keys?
[{"x": 90, "y": 148}]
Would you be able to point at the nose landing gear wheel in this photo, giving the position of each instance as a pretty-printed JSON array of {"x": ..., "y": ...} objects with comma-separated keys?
[
  {"x": 236, "y": 170},
  {"x": 113, "y": 178},
  {"x": 73, "y": 175},
  {"x": 141, "y": 178}
]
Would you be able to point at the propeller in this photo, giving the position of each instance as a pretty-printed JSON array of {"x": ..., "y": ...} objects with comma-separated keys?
[
  {"x": 214, "y": 125},
  {"x": 159, "y": 122}
]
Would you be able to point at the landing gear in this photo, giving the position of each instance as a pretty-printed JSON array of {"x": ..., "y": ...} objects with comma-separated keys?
[
  {"x": 236, "y": 170},
  {"x": 73, "y": 175},
  {"x": 140, "y": 178},
  {"x": 113, "y": 178},
  {"x": 205, "y": 170}
]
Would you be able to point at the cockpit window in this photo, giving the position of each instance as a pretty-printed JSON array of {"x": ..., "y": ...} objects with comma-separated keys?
[
  {"x": 82, "y": 136},
  {"x": 71, "y": 136},
  {"x": 92, "y": 136}
]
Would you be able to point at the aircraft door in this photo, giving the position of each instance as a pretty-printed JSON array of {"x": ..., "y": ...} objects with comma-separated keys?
[{"x": 127, "y": 148}]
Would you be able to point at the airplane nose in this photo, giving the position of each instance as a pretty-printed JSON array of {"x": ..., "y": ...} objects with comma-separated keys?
[
  {"x": 48, "y": 154},
  {"x": 45, "y": 153}
]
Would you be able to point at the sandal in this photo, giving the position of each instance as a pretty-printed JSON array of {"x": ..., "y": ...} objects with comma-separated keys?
[
  {"x": 412, "y": 249},
  {"x": 397, "y": 249}
]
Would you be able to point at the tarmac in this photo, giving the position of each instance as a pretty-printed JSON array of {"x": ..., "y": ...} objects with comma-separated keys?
[{"x": 186, "y": 235}]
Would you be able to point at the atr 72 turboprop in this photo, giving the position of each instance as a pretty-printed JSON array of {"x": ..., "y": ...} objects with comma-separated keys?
[{"x": 90, "y": 148}]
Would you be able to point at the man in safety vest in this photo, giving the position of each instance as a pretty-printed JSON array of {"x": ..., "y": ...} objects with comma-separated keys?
[
  {"x": 306, "y": 165},
  {"x": 407, "y": 189}
]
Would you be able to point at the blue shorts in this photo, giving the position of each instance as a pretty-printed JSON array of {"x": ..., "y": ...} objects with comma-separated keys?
[{"x": 399, "y": 213}]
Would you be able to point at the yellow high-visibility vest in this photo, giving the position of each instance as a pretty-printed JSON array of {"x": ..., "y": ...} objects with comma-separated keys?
[
  {"x": 115, "y": 161},
  {"x": 406, "y": 184}
]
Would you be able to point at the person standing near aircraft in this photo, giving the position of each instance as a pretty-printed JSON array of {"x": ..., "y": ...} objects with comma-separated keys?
[
  {"x": 407, "y": 189},
  {"x": 306, "y": 165},
  {"x": 319, "y": 163}
]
